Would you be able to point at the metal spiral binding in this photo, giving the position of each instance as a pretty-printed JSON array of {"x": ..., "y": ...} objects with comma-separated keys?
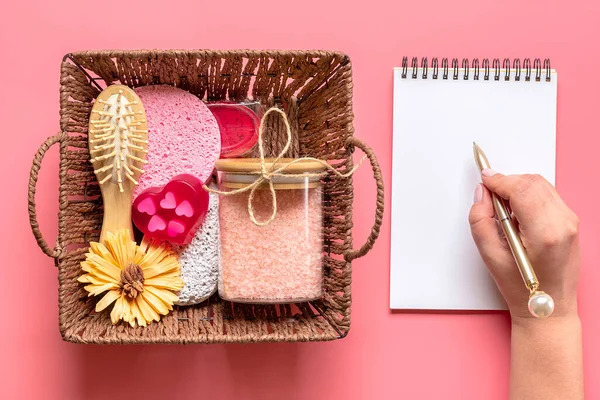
[
  {"x": 496, "y": 66},
  {"x": 525, "y": 69}
]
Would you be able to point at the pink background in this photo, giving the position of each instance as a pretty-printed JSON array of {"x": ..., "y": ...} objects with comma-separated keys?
[{"x": 387, "y": 355}]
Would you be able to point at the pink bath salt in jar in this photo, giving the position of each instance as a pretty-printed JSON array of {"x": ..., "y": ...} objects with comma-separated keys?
[{"x": 282, "y": 261}]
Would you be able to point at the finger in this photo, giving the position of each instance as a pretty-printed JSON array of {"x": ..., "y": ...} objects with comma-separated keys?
[
  {"x": 484, "y": 228},
  {"x": 530, "y": 197},
  {"x": 503, "y": 185},
  {"x": 509, "y": 186}
]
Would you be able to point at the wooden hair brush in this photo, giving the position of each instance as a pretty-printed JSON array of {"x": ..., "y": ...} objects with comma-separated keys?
[{"x": 118, "y": 140}]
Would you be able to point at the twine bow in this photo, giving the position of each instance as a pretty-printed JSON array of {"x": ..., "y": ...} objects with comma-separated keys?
[{"x": 267, "y": 174}]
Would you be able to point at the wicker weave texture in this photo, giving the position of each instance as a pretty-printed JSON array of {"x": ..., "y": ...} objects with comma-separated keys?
[{"x": 315, "y": 90}]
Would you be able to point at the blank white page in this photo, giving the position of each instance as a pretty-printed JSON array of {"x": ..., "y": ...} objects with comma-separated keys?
[{"x": 434, "y": 262}]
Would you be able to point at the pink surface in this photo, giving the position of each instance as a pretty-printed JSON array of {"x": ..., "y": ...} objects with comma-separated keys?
[{"x": 387, "y": 355}]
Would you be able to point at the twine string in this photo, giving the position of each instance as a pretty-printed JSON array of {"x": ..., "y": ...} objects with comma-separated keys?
[{"x": 266, "y": 174}]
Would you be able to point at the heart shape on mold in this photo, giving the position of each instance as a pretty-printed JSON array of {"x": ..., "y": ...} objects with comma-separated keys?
[
  {"x": 184, "y": 209},
  {"x": 175, "y": 228},
  {"x": 156, "y": 224},
  {"x": 173, "y": 212},
  {"x": 147, "y": 206},
  {"x": 169, "y": 201}
]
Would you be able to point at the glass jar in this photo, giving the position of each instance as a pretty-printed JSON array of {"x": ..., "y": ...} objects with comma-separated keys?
[{"x": 280, "y": 262}]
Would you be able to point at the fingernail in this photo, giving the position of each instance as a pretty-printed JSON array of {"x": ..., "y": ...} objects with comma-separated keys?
[
  {"x": 488, "y": 172},
  {"x": 478, "y": 193}
]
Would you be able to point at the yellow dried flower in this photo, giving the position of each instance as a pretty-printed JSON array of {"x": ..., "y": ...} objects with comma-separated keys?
[{"x": 143, "y": 280}]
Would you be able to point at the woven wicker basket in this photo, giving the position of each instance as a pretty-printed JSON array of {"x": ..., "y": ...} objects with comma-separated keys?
[{"x": 315, "y": 89}]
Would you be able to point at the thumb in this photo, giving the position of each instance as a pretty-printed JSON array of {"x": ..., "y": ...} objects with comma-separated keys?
[{"x": 484, "y": 229}]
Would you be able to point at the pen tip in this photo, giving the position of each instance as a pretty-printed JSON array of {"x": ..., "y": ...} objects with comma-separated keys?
[{"x": 474, "y": 144}]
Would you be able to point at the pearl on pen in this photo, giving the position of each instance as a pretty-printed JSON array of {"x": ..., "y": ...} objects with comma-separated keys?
[{"x": 541, "y": 304}]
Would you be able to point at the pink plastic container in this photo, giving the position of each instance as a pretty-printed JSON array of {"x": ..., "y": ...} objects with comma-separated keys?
[{"x": 239, "y": 128}]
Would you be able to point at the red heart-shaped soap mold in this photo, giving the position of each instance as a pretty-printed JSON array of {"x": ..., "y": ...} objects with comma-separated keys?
[{"x": 173, "y": 212}]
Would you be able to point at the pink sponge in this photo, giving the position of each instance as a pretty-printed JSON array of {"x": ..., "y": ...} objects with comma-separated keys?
[{"x": 183, "y": 136}]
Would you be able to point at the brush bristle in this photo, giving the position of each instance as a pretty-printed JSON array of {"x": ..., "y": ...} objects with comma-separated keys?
[{"x": 118, "y": 137}]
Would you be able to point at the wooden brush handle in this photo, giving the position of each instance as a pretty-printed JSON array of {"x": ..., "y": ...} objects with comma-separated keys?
[{"x": 117, "y": 210}]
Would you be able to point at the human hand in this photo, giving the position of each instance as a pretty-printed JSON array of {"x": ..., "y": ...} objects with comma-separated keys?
[{"x": 548, "y": 230}]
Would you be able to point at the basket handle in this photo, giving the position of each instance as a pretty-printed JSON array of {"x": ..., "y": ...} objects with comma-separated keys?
[
  {"x": 33, "y": 178},
  {"x": 368, "y": 245}
]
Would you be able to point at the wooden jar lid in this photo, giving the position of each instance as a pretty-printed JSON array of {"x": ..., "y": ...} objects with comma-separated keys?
[{"x": 252, "y": 165}]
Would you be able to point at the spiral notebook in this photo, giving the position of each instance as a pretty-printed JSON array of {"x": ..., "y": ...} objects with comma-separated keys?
[{"x": 440, "y": 108}]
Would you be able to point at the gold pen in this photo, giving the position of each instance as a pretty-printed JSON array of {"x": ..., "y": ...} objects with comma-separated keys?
[{"x": 541, "y": 304}]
